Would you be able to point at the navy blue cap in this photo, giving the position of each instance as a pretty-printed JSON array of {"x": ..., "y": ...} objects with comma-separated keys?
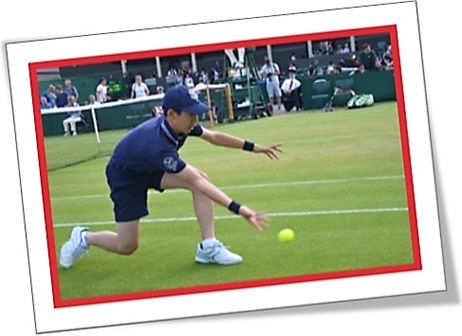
[{"x": 180, "y": 98}]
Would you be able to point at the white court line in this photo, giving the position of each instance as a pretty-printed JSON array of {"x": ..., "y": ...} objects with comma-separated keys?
[
  {"x": 260, "y": 185},
  {"x": 276, "y": 214}
]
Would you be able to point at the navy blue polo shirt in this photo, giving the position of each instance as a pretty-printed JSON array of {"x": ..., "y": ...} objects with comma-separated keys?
[{"x": 152, "y": 147}]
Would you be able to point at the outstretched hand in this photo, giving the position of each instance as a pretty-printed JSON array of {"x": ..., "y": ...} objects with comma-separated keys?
[
  {"x": 258, "y": 219},
  {"x": 270, "y": 151}
]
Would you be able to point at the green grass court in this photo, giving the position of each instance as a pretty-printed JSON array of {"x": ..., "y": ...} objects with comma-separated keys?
[{"x": 339, "y": 185}]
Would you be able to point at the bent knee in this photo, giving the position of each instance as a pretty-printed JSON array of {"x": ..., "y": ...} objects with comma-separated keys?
[{"x": 128, "y": 249}]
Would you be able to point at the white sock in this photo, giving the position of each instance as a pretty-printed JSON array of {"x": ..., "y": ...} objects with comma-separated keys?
[
  {"x": 82, "y": 235},
  {"x": 208, "y": 242}
]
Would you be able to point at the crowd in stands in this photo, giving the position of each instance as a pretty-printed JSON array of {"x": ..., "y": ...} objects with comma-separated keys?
[
  {"x": 57, "y": 96},
  {"x": 366, "y": 59}
]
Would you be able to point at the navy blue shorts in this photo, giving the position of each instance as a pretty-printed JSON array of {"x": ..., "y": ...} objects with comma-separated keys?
[{"x": 129, "y": 190}]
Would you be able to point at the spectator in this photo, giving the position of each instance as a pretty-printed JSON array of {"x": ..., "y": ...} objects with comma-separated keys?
[
  {"x": 312, "y": 70},
  {"x": 318, "y": 67},
  {"x": 369, "y": 58},
  {"x": 61, "y": 96},
  {"x": 200, "y": 86},
  {"x": 360, "y": 70},
  {"x": 110, "y": 97},
  {"x": 387, "y": 59},
  {"x": 92, "y": 100},
  {"x": 213, "y": 108},
  {"x": 351, "y": 62},
  {"x": 70, "y": 89},
  {"x": 337, "y": 70},
  {"x": 101, "y": 91},
  {"x": 73, "y": 119},
  {"x": 195, "y": 76},
  {"x": 50, "y": 95},
  {"x": 205, "y": 76},
  {"x": 292, "y": 91},
  {"x": 160, "y": 91},
  {"x": 172, "y": 72},
  {"x": 270, "y": 71},
  {"x": 44, "y": 104},
  {"x": 218, "y": 69},
  {"x": 139, "y": 88},
  {"x": 330, "y": 68},
  {"x": 158, "y": 110},
  {"x": 345, "y": 49},
  {"x": 293, "y": 58},
  {"x": 186, "y": 79}
]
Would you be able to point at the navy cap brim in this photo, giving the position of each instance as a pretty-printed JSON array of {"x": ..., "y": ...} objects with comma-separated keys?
[{"x": 197, "y": 109}]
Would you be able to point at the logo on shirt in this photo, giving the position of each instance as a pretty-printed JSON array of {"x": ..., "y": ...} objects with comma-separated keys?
[{"x": 170, "y": 163}]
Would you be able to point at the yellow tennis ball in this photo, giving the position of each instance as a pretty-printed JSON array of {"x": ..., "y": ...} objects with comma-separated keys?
[{"x": 286, "y": 235}]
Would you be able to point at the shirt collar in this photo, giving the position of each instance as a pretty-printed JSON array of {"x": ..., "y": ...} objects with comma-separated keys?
[{"x": 169, "y": 132}]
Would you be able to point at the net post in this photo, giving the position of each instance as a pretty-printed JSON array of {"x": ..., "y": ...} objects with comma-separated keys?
[{"x": 95, "y": 123}]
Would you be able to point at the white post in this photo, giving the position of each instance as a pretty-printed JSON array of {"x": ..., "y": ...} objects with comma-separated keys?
[
  {"x": 123, "y": 64},
  {"x": 310, "y": 48},
  {"x": 159, "y": 67},
  {"x": 193, "y": 62},
  {"x": 269, "y": 52},
  {"x": 95, "y": 123},
  {"x": 352, "y": 44}
]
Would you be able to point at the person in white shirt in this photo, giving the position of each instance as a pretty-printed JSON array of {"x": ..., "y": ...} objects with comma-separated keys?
[
  {"x": 292, "y": 91},
  {"x": 139, "y": 89},
  {"x": 270, "y": 71},
  {"x": 101, "y": 91}
]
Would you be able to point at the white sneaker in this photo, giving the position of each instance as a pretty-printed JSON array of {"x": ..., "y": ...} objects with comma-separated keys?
[
  {"x": 216, "y": 254},
  {"x": 73, "y": 248}
]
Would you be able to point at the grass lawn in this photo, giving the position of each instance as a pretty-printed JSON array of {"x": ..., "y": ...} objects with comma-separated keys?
[{"x": 339, "y": 185}]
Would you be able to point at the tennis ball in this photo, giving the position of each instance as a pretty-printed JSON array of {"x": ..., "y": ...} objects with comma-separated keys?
[{"x": 286, "y": 235}]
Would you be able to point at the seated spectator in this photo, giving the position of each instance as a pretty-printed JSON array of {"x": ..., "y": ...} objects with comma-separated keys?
[
  {"x": 345, "y": 49},
  {"x": 160, "y": 91},
  {"x": 360, "y": 70},
  {"x": 291, "y": 87},
  {"x": 50, "y": 95},
  {"x": 201, "y": 86},
  {"x": 318, "y": 67},
  {"x": 186, "y": 79},
  {"x": 110, "y": 98},
  {"x": 73, "y": 119},
  {"x": 369, "y": 58},
  {"x": 330, "y": 68},
  {"x": 349, "y": 63},
  {"x": 387, "y": 59},
  {"x": 92, "y": 100},
  {"x": 61, "y": 96},
  {"x": 337, "y": 70},
  {"x": 44, "y": 104},
  {"x": 312, "y": 70}
]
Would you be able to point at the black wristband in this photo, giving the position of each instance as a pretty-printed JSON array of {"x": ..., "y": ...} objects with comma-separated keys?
[
  {"x": 234, "y": 207},
  {"x": 248, "y": 146}
]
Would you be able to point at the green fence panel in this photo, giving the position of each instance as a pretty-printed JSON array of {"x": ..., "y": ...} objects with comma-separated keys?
[{"x": 379, "y": 83}]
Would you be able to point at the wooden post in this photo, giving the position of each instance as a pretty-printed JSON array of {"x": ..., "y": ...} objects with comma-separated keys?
[
  {"x": 229, "y": 100},
  {"x": 207, "y": 90}
]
